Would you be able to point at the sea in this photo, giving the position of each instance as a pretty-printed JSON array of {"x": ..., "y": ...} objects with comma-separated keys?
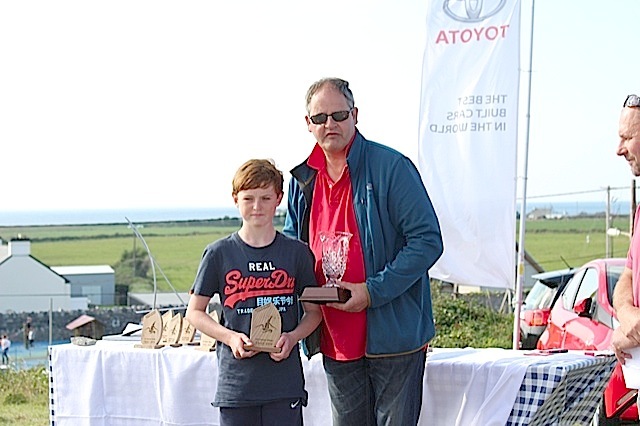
[
  {"x": 578, "y": 208},
  {"x": 112, "y": 216}
]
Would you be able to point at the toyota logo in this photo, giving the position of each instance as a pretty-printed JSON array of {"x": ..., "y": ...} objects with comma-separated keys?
[{"x": 472, "y": 10}]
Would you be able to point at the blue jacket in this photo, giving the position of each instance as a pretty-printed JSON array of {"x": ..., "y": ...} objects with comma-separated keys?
[{"x": 400, "y": 237}]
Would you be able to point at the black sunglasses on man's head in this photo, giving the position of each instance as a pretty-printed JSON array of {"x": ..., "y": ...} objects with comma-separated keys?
[{"x": 631, "y": 101}]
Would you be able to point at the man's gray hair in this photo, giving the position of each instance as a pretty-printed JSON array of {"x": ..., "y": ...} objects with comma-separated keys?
[{"x": 341, "y": 85}]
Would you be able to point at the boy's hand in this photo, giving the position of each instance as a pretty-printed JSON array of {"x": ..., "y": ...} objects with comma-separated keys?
[
  {"x": 237, "y": 342},
  {"x": 286, "y": 343}
]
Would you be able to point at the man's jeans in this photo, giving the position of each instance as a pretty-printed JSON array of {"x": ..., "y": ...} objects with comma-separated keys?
[{"x": 376, "y": 391}]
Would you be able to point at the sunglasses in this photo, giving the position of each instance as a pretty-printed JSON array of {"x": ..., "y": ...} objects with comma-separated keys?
[
  {"x": 337, "y": 116},
  {"x": 631, "y": 101}
]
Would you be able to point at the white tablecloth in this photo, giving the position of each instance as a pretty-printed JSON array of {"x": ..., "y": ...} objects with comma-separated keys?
[
  {"x": 472, "y": 387},
  {"x": 495, "y": 387},
  {"x": 112, "y": 383}
]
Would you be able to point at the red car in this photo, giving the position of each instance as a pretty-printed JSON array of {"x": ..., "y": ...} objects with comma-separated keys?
[
  {"x": 535, "y": 310},
  {"x": 583, "y": 319}
]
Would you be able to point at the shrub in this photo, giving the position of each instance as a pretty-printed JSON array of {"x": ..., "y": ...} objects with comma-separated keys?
[
  {"x": 15, "y": 398},
  {"x": 466, "y": 322}
]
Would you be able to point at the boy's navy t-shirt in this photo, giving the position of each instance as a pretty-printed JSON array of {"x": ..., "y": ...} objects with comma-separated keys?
[{"x": 247, "y": 277}]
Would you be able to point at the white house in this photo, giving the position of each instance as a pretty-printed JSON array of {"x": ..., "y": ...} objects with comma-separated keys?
[{"x": 28, "y": 285}]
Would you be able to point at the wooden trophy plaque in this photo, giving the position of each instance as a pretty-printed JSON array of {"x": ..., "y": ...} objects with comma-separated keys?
[
  {"x": 187, "y": 333},
  {"x": 166, "y": 319},
  {"x": 266, "y": 328},
  {"x": 208, "y": 343},
  {"x": 322, "y": 295},
  {"x": 174, "y": 328},
  {"x": 151, "y": 330}
]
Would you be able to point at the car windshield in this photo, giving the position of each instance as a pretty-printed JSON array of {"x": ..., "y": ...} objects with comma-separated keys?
[{"x": 539, "y": 297}]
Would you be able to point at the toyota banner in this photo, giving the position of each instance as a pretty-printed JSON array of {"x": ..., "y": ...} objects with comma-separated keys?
[{"x": 468, "y": 136}]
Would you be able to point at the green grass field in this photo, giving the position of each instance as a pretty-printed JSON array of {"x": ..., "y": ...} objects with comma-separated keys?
[
  {"x": 177, "y": 246},
  {"x": 576, "y": 240}
]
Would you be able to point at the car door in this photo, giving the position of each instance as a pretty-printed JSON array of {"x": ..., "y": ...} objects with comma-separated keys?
[
  {"x": 578, "y": 330},
  {"x": 561, "y": 314}
]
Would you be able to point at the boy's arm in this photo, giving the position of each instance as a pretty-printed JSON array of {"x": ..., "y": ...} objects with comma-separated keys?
[
  {"x": 310, "y": 320},
  {"x": 198, "y": 317}
]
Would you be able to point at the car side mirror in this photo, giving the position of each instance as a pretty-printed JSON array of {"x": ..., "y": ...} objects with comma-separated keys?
[{"x": 583, "y": 307}]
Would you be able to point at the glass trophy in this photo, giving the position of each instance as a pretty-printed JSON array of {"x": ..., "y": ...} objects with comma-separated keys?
[{"x": 335, "y": 248}]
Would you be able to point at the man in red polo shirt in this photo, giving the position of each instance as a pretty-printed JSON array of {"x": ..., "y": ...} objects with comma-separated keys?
[{"x": 373, "y": 345}]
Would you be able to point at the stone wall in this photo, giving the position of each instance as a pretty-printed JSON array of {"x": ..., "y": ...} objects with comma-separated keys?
[{"x": 114, "y": 320}]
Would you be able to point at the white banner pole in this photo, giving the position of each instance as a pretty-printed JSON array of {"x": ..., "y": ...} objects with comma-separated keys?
[{"x": 523, "y": 210}]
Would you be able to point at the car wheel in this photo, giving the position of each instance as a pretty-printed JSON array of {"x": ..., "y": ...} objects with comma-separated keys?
[
  {"x": 600, "y": 418},
  {"x": 529, "y": 342}
]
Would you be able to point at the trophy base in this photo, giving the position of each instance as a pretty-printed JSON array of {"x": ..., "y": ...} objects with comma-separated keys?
[
  {"x": 271, "y": 349},
  {"x": 322, "y": 295}
]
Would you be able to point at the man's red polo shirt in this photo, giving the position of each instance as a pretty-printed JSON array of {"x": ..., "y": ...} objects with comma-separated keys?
[{"x": 343, "y": 333}]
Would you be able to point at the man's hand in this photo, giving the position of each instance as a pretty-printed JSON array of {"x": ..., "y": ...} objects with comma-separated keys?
[
  {"x": 619, "y": 343},
  {"x": 359, "y": 300},
  {"x": 629, "y": 318}
]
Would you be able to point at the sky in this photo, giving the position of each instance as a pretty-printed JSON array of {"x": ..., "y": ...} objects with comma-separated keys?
[{"x": 151, "y": 104}]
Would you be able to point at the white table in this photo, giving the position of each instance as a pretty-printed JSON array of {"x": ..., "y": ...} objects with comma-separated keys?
[
  {"x": 483, "y": 387},
  {"x": 112, "y": 383}
]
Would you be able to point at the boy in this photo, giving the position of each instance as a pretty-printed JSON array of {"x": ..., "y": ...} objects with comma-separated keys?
[{"x": 252, "y": 267}]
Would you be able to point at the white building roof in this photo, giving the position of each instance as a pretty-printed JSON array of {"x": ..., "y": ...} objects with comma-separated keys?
[{"x": 82, "y": 270}]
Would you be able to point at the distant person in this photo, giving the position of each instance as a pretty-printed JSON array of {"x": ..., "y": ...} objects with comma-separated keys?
[
  {"x": 250, "y": 268},
  {"x": 31, "y": 337},
  {"x": 5, "y": 344},
  {"x": 626, "y": 295},
  {"x": 26, "y": 329},
  {"x": 374, "y": 345}
]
